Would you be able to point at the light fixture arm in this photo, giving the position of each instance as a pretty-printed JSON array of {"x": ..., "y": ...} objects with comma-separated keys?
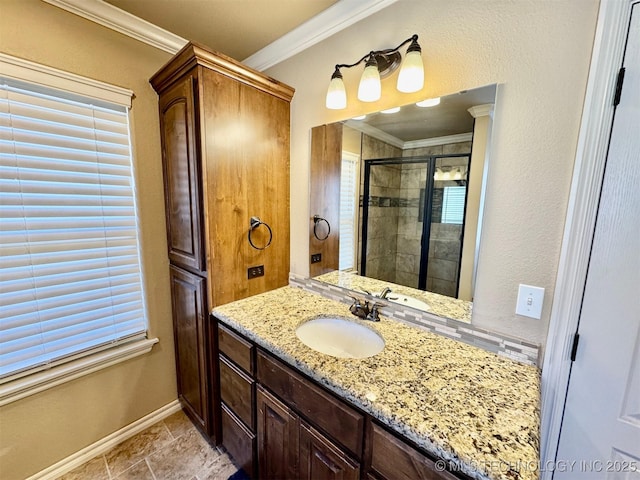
[
  {"x": 375, "y": 53},
  {"x": 379, "y": 64}
]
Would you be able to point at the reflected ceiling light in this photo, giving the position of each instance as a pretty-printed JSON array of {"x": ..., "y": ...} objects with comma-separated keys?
[
  {"x": 380, "y": 64},
  {"x": 429, "y": 102},
  {"x": 437, "y": 175},
  {"x": 391, "y": 110},
  {"x": 457, "y": 175},
  {"x": 359, "y": 117},
  {"x": 446, "y": 175}
]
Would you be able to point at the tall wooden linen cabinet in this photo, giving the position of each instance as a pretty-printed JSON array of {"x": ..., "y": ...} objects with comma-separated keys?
[{"x": 225, "y": 153}]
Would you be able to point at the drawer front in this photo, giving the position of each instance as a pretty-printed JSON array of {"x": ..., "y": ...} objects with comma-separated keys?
[
  {"x": 338, "y": 420},
  {"x": 239, "y": 442},
  {"x": 236, "y": 390},
  {"x": 393, "y": 459},
  {"x": 236, "y": 348}
]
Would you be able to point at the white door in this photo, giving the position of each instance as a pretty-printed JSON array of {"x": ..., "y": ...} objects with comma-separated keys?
[{"x": 601, "y": 424}]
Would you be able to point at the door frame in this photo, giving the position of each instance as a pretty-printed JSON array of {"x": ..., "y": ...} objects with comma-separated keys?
[{"x": 586, "y": 184}]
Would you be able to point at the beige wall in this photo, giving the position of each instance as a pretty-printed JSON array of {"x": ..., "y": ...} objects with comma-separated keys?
[
  {"x": 40, "y": 430},
  {"x": 539, "y": 52}
]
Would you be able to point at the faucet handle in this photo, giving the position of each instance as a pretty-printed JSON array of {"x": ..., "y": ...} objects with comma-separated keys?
[{"x": 373, "y": 314}]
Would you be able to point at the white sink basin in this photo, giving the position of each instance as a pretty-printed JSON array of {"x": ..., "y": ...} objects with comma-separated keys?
[
  {"x": 340, "y": 338},
  {"x": 408, "y": 301}
]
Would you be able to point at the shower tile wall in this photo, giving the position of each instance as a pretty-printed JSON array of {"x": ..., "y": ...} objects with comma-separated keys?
[
  {"x": 444, "y": 246},
  {"x": 395, "y": 226},
  {"x": 410, "y": 225},
  {"x": 383, "y": 217}
]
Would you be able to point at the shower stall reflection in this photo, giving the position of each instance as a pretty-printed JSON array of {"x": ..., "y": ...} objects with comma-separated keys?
[{"x": 412, "y": 221}]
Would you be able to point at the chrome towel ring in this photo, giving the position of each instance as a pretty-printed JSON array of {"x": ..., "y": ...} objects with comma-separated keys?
[
  {"x": 316, "y": 220},
  {"x": 254, "y": 223}
]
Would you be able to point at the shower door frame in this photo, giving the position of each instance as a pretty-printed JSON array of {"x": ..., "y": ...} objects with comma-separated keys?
[{"x": 430, "y": 161}]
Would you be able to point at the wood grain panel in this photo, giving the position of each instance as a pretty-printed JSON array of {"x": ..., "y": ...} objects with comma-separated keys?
[
  {"x": 391, "y": 458},
  {"x": 236, "y": 390},
  {"x": 181, "y": 176},
  {"x": 189, "y": 312},
  {"x": 239, "y": 442},
  {"x": 326, "y": 164},
  {"x": 277, "y": 439},
  {"x": 341, "y": 422},
  {"x": 236, "y": 348},
  {"x": 322, "y": 460},
  {"x": 245, "y": 149}
]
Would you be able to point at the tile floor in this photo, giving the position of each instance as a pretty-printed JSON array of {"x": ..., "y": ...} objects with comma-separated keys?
[{"x": 172, "y": 449}]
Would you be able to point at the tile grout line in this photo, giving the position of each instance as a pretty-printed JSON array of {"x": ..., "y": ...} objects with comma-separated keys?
[
  {"x": 168, "y": 430},
  {"x": 106, "y": 466},
  {"x": 146, "y": 460}
]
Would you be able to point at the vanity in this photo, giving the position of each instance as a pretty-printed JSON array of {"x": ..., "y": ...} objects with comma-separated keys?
[{"x": 425, "y": 407}]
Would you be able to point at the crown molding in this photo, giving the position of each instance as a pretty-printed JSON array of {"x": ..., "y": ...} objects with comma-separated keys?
[
  {"x": 481, "y": 110},
  {"x": 337, "y": 17},
  {"x": 434, "y": 141},
  {"x": 123, "y": 22},
  {"x": 375, "y": 133},
  {"x": 396, "y": 142}
]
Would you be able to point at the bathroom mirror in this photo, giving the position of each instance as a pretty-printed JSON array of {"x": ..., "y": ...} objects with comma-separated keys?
[{"x": 422, "y": 172}]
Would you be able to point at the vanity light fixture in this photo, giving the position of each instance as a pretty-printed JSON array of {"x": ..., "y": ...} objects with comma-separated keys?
[
  {"x": 380, "y": 64},
  {"x": 429, "y": 102}
]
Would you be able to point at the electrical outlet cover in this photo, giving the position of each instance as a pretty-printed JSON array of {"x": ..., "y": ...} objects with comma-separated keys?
[{"x": 530, "y": 301}]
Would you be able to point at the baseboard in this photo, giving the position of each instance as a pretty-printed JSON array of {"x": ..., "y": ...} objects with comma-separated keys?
[{"x": 105, "y": 444}]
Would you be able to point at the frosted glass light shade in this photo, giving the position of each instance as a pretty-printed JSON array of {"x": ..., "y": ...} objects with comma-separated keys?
[
  {"x": 370, "y": 89},
  {"x": 411, "y": 77},
  {"x": 336, "y": 94}
]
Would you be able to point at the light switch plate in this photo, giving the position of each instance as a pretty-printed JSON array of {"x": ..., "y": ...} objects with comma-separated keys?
[{"x": 530, "y": 300}]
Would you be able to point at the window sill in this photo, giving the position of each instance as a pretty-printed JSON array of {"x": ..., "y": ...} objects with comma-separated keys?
[{"x": 23, "y": 387}]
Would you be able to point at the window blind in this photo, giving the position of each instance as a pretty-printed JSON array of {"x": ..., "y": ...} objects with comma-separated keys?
[
  {"x": 70, "y": 278},
  {"x": 348, "y": 205},
  {"x": 453, "y": 205}
]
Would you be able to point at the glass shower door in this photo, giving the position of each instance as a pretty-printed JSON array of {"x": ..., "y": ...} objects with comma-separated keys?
[{"x": 442, "y": 252}]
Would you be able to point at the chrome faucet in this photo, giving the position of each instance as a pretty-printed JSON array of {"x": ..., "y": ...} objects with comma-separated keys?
[{"x": 363, "y": 309}]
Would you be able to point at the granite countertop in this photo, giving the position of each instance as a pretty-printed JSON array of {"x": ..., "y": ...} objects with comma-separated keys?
[
  {"x": 439, "y": 305},
  {"x": 459, "y": 402}
]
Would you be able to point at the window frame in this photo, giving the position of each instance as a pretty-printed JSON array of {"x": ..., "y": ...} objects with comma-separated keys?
[{"x": 20, "y": 385}]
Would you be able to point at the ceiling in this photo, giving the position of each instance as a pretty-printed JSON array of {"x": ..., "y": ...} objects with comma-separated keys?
[
  {"x": 451, "y": 117},
  {"x": 237, "y": 28}
]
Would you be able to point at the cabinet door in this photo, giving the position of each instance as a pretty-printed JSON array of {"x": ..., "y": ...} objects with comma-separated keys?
[
  {"x": 181, "y": 175},
  {"x": 189, "y": 307},
  {"x": 322, "y": 460},
  {"x": 393, "y": 459},
  {"x": 277, "y": 439}
]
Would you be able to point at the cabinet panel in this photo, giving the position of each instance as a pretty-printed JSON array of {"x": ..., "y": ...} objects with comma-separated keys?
[
  {"x": 181, "y": 176},
  {"x": 277, "y": 438},
  {"x": 236, "y": 348},
  {"x": 324, "y": 196},
  {"x": 239, "y": 441},
  {"x": 393, "y": 459},
  {"x": 341, "y": 422},
  {"x": 246, "y": 173},
  {"x": 322, "y": 460},
  {"x": 236, "y": 390},
  {"x": 189, "y": 313}
]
